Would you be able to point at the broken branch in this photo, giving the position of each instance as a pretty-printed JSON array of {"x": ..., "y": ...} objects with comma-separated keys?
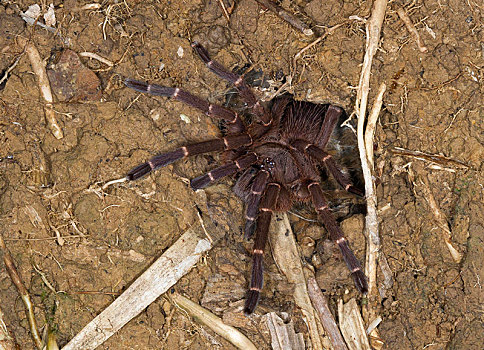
[
  {"x": 44, "y": 86},
  {"x": 411, "y": 28},
  {"x": 24, "y": 294},
  {"x": 215, "y": 323}
]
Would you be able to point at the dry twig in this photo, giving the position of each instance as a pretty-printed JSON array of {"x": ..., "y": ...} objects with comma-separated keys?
[
  {"x": 351, "y": 325},
  {"x": 373, "y": 30},
  {"x": 440, "y": 219},
  {"x": 411, "y": 28},
  {"x": 224, "y": 9},
  {"x": 24, "y": 294},
  {"x": 7, "y": 340},
  {"x": 371, "y": 124},
  {"x": 283, "y": 335},
  {"x": 95, "y": 56},
  {"x": 286, "y": 256},
  {"x": 433, "y": 158},
  {"x": 44, "y": 85},
  {"x": 286, "y": 16},
  {"x": 156, "y": 280},
  {"x": 212, "y": 321},
  {"x": 321, "y": 305}
]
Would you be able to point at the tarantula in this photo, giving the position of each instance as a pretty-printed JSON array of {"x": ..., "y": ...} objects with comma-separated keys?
[{"x": 277, "y": 159}]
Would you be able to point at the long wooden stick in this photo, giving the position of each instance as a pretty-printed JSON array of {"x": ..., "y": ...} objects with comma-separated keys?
[
  {"x": 24, "y": 294},
  {"x": 286, "y": 256},
  {"x": 44, "y": 85},
  {"x": 321, "y": 305},
  {"x": 373, "y": 31},
  {"x": 156, "y": 280},
  {"x": 205, "y": 317}
]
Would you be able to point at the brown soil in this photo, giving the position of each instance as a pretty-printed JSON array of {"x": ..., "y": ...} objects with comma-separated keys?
[{"x": 433, "y": 104}]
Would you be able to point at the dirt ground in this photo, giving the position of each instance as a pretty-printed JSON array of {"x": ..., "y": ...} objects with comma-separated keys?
[{"x": 77, "y": 248}]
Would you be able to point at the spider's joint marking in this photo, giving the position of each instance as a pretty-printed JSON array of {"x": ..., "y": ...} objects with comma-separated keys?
[
  {"x": 267, "y": 124},
  {"x": 249, "y": 218},
  {"x": 307, "y": 146},
  {"x": 340, "y": 240},
  {"x": 327, "y": 157},
  {"x": 315, "y": 183},
  {"x": 266, "y": 209},
  {"x": 209, "y": 63},
  {"x": 226, "y": 143},
  {"x": 210, "y": 176},
  {"x": 256, "y": 192},
  {"x": 185, "y": 151},
  {"x": 348, "y": 186},
  {"x": 258, "y": 251},
  {"x": 238, "y": 81},
  {"x": 237, "y": 164},
  {"x": 324, "y": 207},
  {"x": 151, "y": 165},
  {"x": 177, "y": 91},
  {"x": 236, "y": 116},
  {"x": 255, "y": 289},
  {"x": 356, "y": 269},
  {"x": 210, "y": 108}
]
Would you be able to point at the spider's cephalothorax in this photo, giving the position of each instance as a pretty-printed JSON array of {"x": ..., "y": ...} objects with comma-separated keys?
[{"x": 277, "y": 158}]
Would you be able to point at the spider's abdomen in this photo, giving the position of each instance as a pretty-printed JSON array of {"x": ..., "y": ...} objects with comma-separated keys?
[{"x": 303, "y": 120}]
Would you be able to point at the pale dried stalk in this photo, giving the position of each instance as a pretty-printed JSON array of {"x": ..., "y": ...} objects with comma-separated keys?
[
  {"x": 283, "y": 335},
  {"x": 95, "y": 56},
  {"x": 440, "y": 219},
  {"x": 286, "y": 256},
  {"x": 428, "y": 157},
  {"x": 24, "y": 294},
  {"x": 411, "y": 28},
  {"x": 351, "y": 324},
  {"x": 44, "y": 86},
  {"x": 215, "y": 323},
  {"x": 156, "y": 280},
  {"x": 7, "y": 340},
  {"x": 373, "y": 30},
  {"x": 371, "y": 124},
  {"x": 286, "y": 16},
  {"x": 321, "y": 305},
  {"x": 226, "y": 14}
]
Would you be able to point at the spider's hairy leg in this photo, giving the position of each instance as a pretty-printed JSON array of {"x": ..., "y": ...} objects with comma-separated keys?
[
  {"x": 267, "y": 205},
  {"x": 323, "y": 156},
  {"x": 253, "y": 200},
  {"x": 161, "y": 160},
  {"x": 231, "y": 168},
  {"x": 336, "y": 235},
  {"x": 329, "y": 123},
  {"x": 232, "y": 119},
  {"x": 244, "y": 90}
]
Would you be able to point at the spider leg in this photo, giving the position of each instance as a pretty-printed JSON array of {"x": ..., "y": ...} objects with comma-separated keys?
[
  {"x": 330, "y": 119},
  {"x": 161, "y": 160},
  {"x": 336, "y": 235},
  {"x": 244, "y": 90},
  {"x": 231, "y": 168},
  {"x": 267, "y": 205},
  {"x": 253, "y": 201},
  {"x": 322, "y": 156},
  {"x": 232, "y": 119}
]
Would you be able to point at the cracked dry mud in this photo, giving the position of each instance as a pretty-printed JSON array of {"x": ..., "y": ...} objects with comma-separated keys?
[{"x": 433, "y": 104}]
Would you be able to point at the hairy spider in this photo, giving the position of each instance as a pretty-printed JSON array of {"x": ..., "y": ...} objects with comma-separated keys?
[{"x": 277, "y": 159}]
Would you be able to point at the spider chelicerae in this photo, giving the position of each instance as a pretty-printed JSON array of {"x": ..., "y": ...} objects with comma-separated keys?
[{"x": 278, "y": 160}]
